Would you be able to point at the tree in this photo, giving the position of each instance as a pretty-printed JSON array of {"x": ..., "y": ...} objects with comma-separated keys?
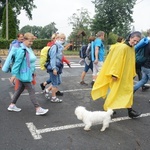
[
  {"x": 48, "y": 30},
  {"x": 18, "y": 5},
  {"x": 11, "y": 24},
  {"x": 40, "y": 32},
  {"x": 36, "y": 30},
  {"x": 113, "y": 16},
  {"x": 80, "y": 21}
]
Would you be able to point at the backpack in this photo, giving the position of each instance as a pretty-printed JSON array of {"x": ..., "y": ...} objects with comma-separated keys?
[
  {"x": 88, "y": 51},
  {"x": 82, "y": 52},
  {"x": 143, "y": 54},
  {"x": 44, "y": 57},
  {"x": 11, "y": 56}
]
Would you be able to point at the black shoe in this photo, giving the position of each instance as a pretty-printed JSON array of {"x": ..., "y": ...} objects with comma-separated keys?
[
  {"x": 83, "y": 83},
  {"x": 144, "y": 88},
  {"x": 114, "y": 113},
  {"x": 58, "y": 93},
  {"x": 92, "y": 83},
  {"x": 42, "y": 86},
  {"x": 133, "y": 114}
]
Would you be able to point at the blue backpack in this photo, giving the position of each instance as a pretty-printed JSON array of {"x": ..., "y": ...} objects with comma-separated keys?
[
  {"x": 82, "y": 52},
  {"x": 11, "y": 56},
  {"x": 142, "y": 51},
  {"x": 143, "y": 54}
]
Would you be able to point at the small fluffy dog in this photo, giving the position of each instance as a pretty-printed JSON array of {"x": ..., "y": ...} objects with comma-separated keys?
[{"x": 96, "y": 117}]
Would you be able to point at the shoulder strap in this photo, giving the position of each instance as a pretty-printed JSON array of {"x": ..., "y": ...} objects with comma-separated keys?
[{"x": 26, "y": 54}]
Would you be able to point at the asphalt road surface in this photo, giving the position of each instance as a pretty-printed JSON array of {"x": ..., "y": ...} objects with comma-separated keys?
[{"x": 60, "y": 129}]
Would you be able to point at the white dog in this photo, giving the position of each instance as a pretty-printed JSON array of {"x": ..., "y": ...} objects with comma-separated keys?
[{"x": 96, "y": 117}]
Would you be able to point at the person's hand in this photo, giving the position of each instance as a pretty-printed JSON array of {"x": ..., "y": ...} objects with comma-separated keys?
[
  {"x": 96, "y": 61},
  {"x": 69, "y": 65},
  {"x": 114, "y": 78},
  {"x": 34, "y": 74},
  {"x": 55, "y": 72}
]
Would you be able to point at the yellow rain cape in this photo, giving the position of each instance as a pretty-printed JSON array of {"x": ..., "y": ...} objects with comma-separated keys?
[{"x": 120, "y": 62}]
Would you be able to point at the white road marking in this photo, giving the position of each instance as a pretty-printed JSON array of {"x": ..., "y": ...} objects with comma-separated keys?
[
  {"x": 36, "y": 133},
  {"x": 3, "y": 79},
  {"x": 66, "y": 91}
]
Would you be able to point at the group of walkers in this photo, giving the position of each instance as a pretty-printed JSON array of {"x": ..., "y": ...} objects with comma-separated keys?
[
  {"x": 112, "y": 78},
  {"x": 23, "y": 60}
]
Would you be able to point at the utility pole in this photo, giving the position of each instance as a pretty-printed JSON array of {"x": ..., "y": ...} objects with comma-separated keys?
[{"x": 6, "y": 19}]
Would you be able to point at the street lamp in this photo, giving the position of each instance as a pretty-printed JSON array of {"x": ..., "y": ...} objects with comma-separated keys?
[{"x": 6, "y": 19}]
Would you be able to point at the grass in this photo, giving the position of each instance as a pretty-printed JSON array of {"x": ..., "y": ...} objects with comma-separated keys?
[{"x": 73, "y": 52}]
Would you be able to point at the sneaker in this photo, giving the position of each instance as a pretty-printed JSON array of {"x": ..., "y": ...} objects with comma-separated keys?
[
  {"x": 58, "y": 93},
  {"x": 41, "y": 111},
  {"x": 144, "y": 88},
  {"x": 56, "y": 100},
  {"x": 83, "y": 83},
  {"x": 47, "y": 94},
  {"x": 42, "y": 86},
  {"x": 13, "y": 108}
]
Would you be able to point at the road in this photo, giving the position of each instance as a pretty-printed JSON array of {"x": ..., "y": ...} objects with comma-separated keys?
[{"x": 60, "y": 129}]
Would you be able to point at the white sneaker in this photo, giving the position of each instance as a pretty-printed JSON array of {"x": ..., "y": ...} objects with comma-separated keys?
[
  {"x": 41, "y": 111},
  {"x": 13, "y": 108},
  {"x": 47, "y": 96}
]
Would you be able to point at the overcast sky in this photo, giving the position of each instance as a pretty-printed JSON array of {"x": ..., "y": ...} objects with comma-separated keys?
[{"x": 59, "y": 11}]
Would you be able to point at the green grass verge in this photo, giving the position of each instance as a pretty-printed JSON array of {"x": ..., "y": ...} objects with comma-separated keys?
[{"x": 67, "y": 52}]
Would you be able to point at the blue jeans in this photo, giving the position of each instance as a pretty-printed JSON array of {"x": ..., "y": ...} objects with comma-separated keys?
[
  {"x": 55, "y": 79},
  {"x": 145, "y": 78}
]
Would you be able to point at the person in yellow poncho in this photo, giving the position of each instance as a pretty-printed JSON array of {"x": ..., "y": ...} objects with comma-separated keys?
[
  {"x": 115, "y": 80},
  {"x": 120, "y": 39}
]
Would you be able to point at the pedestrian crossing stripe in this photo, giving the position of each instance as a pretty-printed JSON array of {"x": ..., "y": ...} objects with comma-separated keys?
[{"x": 73, "y": 65}]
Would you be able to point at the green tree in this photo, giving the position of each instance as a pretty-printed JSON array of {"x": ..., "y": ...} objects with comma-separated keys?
[
  {"x": 11, "y": 23},
  {"x": 113, "y": 16},
  {"x": 0, "y": 33},
  {"x": 18, "y": 5},
  {"x": 36, "y": 30},
  {"x": 80, "y": 21},
  {"x": 40, "y": 32},
  {"x": 48, "y": 30}
]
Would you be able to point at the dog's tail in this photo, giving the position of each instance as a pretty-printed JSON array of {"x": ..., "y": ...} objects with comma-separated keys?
[{"x": 110, "y": 111}]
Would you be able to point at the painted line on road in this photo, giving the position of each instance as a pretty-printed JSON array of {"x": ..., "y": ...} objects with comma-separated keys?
[
  {"x": 3, "y": 79},
  {"x": 36, "y": 133},
  {"x": 66, "y": 91}
]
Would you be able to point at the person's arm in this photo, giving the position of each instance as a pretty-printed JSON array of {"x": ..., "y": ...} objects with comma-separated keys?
[
  {"x": 53, "y": 53},
  {"x": 98, "y": 44},
  {"x": 96, "y": 54},
  {"x": 64, "y": 59}
]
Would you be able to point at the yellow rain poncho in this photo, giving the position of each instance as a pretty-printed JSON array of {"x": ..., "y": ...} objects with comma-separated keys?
[{"x": 120, "y": 63}]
